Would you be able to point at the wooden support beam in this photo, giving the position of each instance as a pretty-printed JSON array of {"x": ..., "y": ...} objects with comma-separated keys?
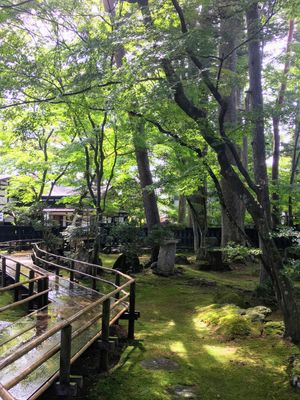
[
  {"x": 131, "y": 311},
  {"x": 65, "y": 388},
  {"x": 40, "y": 287},
  {"x": 94, "y": 273},
  {"x": 72, "y": 267},
  {"x": 3, "y": 272},
  {"x": 30, "y": 289},
  {"x": 117, "y": 282},
  {"x": 103, "y": 359},
  {"x": 17, "y": 279},
  {"x": 65, "y": 355},
  {"x": 45, "y": 287}
]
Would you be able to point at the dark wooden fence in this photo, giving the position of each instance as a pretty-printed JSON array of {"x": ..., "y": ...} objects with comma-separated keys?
[{"x": 186, "y": 236}]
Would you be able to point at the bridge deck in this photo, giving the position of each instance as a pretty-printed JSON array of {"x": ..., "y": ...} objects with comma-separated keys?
[{"x": 66, "y": 299}]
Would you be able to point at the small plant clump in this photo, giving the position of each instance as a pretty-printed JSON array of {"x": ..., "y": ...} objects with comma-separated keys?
[
  {"x": 232, "y": 322},
  {"x": 274, "y": 328}
]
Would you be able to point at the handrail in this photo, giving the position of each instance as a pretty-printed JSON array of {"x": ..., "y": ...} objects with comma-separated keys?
[
  {"x": 105, "y": 269},
  {"x": 5, "y": 395},
  {"x": 61, "y": 326},
  {"x": 15, "y": 285}
]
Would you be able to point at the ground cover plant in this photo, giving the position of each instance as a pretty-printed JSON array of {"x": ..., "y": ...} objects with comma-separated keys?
[{"x": 208, "y": 351}]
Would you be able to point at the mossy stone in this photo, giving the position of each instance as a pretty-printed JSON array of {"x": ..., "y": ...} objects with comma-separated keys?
[{"x": 232, "y": 326}]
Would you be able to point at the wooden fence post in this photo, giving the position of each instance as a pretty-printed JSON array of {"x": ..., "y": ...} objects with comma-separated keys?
[
  {"x": 30, "y": 289},
  {"x": 72, "y": 266},
  {"x": 66, "y": 387},
  {"x": 65, "y": 355},
  {"x": 45, "y": 287},
  {"x": 117, "y": 282},
  {"x": 17, "y": 279},
  {"x": 94, "y": 273},
  {"x": 103, "y": 359},
  {"x": 131, "y": 310},
  {"x": 40, "y": 288},
  {"x": 3, "y": 272}
]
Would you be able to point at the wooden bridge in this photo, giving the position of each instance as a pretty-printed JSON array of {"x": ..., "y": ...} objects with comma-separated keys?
[{"x": 64, "y": 319}]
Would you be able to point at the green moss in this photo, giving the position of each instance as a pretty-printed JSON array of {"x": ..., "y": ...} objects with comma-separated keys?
[
  {"x": 229, "y": 298},
  {"x": 232, "y": 326},
  {"x": 181, "y": 322},
  {"x": 274, "y": 328},
  {"x": 12, "y": 314}
]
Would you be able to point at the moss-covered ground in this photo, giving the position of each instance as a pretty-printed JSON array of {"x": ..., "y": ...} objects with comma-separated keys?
[
  {"x": 12, "y": 314},
  {"x": 171, "y": 326}
]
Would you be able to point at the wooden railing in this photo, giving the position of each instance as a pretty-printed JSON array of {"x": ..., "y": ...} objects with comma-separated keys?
[
  {"x": 41, "y": 281},
  {"x": 15, "y": 245},
  {"x": 121, "y": 296}
]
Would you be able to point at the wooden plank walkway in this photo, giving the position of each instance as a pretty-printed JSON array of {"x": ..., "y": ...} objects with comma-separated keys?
[{"x": 67, "y": 299}]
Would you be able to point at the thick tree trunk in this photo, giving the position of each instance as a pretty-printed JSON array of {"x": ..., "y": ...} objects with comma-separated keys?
[
  {"x": 295, "y": 164},
  {"x": 230, "y": 31},
  {"x": 181, "y": 209},
  {"x": 145, "y": 175},
  {"x": 141, "y": 152},
  {"x": 198, "y": 211},
  {"x": 256, "y": 101}
]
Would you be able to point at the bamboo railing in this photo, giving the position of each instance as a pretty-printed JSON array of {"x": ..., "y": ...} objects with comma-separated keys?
[{"x": 121, "y": 295}]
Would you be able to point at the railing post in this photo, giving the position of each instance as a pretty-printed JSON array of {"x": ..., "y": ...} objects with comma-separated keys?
[
  {"x": 45, "y": 287},
  {"x": 67, "y": 385},
  {"x": 117, "y": 282},
  {"x": 65, "y": 355},
  {"x": 72, "y": 266},
  {"x": 94, "y": 273},
  {"x": 3, "y": 272},
  {"x": 30, "y": 289},
  {"x": 17, "y": 279},
  {"x": 103, "y": 360},
  {"x": 40, "y": 288},
  {"x": 131, "y": 311}
]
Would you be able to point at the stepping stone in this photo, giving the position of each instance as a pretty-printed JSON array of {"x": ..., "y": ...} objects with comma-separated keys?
[
  {"x": 179, "y": 392},
  {"x": 160, "y": 363}
]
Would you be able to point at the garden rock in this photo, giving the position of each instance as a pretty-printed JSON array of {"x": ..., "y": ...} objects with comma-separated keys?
[
  {"x": 128, "y": 262},
  {"x": 258, "y": 313},
  {"x": 181, "y": 260},
  {"x": 201, "y": 282},
  {"x": 160, "y": 363},
  {"x": 179, "y": 392},
  {"x": 166, "y": 258}
]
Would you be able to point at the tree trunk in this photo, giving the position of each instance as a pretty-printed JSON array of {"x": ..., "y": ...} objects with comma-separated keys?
[
  {"x": 141, "y": 152},
  {"x": 230, "y": 29},
  {"x": 181, "y": 209},
  {"x": 198, "y": 211},
  {"x": 276, "y": 132},
  {"x": 256, "y": 101},
  {"x": 145, "y": 175},
  {"x": 295, "y": 164}
]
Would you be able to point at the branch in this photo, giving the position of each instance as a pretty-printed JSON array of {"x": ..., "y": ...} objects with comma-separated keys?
[
  {"x": 62, "y": 95},
  {"x": 16, "y": 5}
]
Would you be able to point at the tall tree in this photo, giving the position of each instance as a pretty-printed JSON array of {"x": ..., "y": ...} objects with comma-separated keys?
[
  {"x": 230, "y": 29},
  {"x": 276, "y": 125},
  {"x": 255, "y": 195}
]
